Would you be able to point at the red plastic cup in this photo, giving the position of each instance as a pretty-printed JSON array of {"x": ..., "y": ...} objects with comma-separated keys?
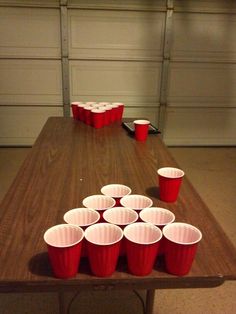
[
  {"x": 98, "y": 116},
  {"x": 120, "y": 216},
  {"x": 103, "y": 247},
  {"x": 160, "y": 217},
  {"x": 64, "y": 244},
  {"x": 181, "y": 242},
  {"x": 120, "y": 110},
  {"x": 82, "y": 217},
  {"x": 75, "y": 110},
  {"x": 141, "y": 129},
  {"x": 99, "y": 203},
  {"x": 81, "y": 111},
  {"x": 114, "y": 112},
  {"x": 136, "y": 202},
  {"x": 116, "y": 191},
  {"x": 142, "y": 244},
  {"x": 88, "y": 115},
  {"x": 170, "y": 180}
]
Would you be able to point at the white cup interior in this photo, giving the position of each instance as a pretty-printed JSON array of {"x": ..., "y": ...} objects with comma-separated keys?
[
  {"x": 182, "y": 233},
  {"x": 99, "y": 202},
  {"x": 120, "y": 216},
  {"x": 81, "y": 216},
  {"x": 142, "y": 233},
  {"x": 142, "y": 122},
  {"x": 103, "y": 234},
  {"x": 157, "y": 216},
  {"x": 115, "y": 190},
  {"x": 136, "y": 202},
  {"x": 170, "y": 172},
  {"x": 63, "y": 235}
]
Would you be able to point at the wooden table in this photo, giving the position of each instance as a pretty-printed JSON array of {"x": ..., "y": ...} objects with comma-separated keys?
[{"x": 70, "y": 161}]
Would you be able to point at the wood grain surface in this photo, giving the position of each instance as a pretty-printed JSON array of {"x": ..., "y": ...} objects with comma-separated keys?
[{"x": 70, "y": 161}]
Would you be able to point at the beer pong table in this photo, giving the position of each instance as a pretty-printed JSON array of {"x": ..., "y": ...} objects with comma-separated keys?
[{"x": 70, "y": 161}]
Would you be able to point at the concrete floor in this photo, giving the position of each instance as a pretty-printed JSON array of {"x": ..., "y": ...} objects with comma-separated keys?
[{"x": 213, "y": 173}]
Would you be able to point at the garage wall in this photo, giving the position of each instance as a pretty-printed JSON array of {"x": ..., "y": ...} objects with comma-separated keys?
[{"x": 173, "y": 62}]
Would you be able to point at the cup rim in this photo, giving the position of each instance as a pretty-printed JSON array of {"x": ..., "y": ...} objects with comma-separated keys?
[
  {"x": 172, "y": 225},
  {"x": 160, "y": 172},
  {"x": 99, "y": 195},
  {"x": 126, "y": 229},
  {"x": 113, "y": 185},
  {"x": 135, "y": 195},
  {"x": 157, "y": 208},
  {"x": 74, "y": 210},
  {"x": 141, "y": 121},
  {"x": 122, "y": 209},
  {"x": 96, "y": 110},
  {"x": 60, "y": 226},
  {"x": 100, "y": 225}
]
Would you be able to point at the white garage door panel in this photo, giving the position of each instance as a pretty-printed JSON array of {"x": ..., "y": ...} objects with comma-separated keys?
[
  {"x": 228, "y": 6},
  {"x": 214, "y": 126},
  {"x": 21, "y": 125},
  {"x": 29, "y": 32},
  {"x": 36, "y": 3},
  {"x": 30, "y": 82},
  {"x": 202, "y": 84},
  {"x": 116, "y": 34},
  {"x": 148, "y": 113},
  {"x": 121, "y": 4},
  {"x": 136, "y": 82},
  {"x": 210, "y": 37}
]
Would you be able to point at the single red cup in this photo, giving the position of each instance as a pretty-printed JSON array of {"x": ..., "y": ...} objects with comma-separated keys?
[
  {"x": 64, "y": 243},
  {"x": 160, "y": 217},
  {"x": 98, "y": 116},
  {"x": 99, "y": 202},
  {"x": 81, "y": 111},
  {"x": 75, "y": 110},
  {"x": 103, "y": 247},
  {"x": 170, "y": 180},
  {"x": 82, "y": 217},
  {"x": 136, "y": 202},
  {"x": 141, "y": 129},
  {"x": 120, "y": 216},
  {"x": 116, "y": 191},
  {"x": 120, "y": 110},
  {"x": 142, "y": 244},
  {"x": 114, "y": 113},
  {"x": 88, "y": 115},
  {"x": 181, "y": 242}
]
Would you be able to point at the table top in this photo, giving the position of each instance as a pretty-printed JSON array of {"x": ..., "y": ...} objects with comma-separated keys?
[{"x": 70, "y": 161}]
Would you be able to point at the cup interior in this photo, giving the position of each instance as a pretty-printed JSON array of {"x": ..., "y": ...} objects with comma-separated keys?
[
  {"x": 170, "y": 172},
  {"x": 120, "y": 216},
  {"x": 99, "y": 202},
  {"x": 136, "y": 201},
  {"x": 182, "y": 233},
  {"x": 81, "y": 216},
  {"x": 142, "y": 233},
  {"x": 141, "y": 122},
  {"x": 157, "y": 216},
  {"x": 103, "y": 234},
  {"x": 115, "y": 190},
  {"x": 63, "y": 235}
]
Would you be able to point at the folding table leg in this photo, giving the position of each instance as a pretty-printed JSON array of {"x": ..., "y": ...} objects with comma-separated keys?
[{"x": 150, "y": 301}]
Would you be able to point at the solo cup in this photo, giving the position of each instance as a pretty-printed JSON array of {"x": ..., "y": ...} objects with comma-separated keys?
[
  {"x": 75, "y": 109},
  {"x": 142, "y": 244},
  {"x": 159, "y": 217},
  {"x": 98, "y": 117},
  {"x": 170, "y": 180},
  {"x": 181, "y": 242},
  {"x": 120, "y": 110},
  {"x": 136, "y": 202},
  {"x": 64, "y": 244},
  {"x": 88, "y": 115},
  {"x": 141, "y": 129},
  {"x": 120, "y": 216},
  {"x": 103, "y": 247},
  {"x": 116, "y": 191},
  {"x": 82, "y": 217},
  {"x": 99, "y": 203}
]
